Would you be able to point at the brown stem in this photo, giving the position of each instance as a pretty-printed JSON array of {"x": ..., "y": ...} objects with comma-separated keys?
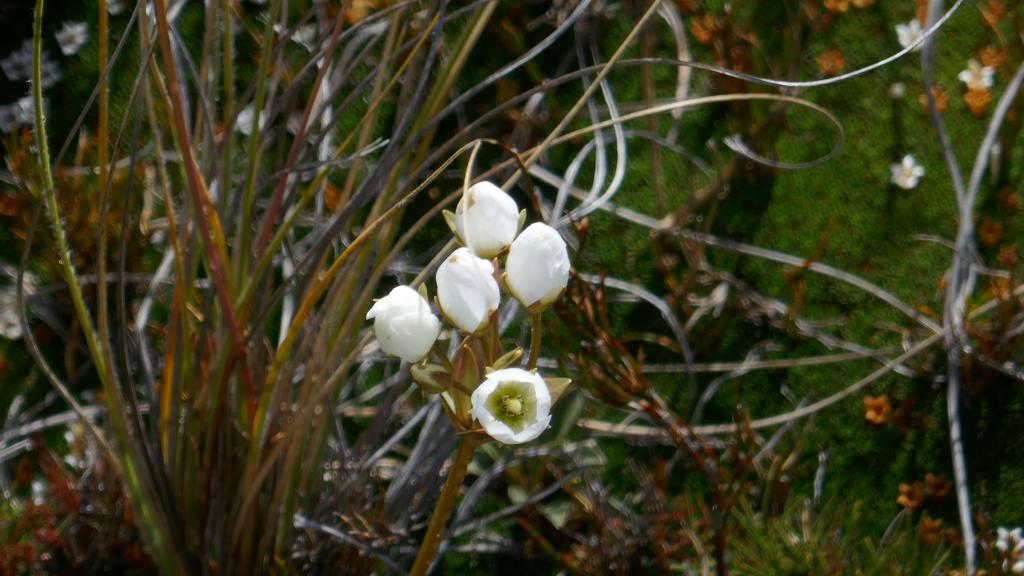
[{"x": 443, "y": 509}]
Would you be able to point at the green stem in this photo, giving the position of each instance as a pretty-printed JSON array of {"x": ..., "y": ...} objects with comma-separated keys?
[
  {"x": 534, "y": 342},
  {"x": 443, "y": 509}
]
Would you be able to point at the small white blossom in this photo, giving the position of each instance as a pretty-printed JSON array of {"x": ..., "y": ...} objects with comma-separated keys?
[
  {"x": 243, "y": 123},
  {"x": 897, "y": 90},
  {"x": 10, "y": 322},
  {"x": 9, "y": 118},
  {"x": 1011, "y": 547},
  {"x": 537, "y": 269},
  {"x": 513, "y": 405},
  {"x": 466, "y": 290},
  {"x": 486, "y": 219},
  {"x": 404, "y": 325},
  {"x": 976, "y": 76},
  {"x": 907, "y": 173},
  {"x": 909, "y": 34},
  {"x": 115, "y": 7},
  {"x": 71, "y": 37},
  {"x": 18, "y": 64},
  {"x": 38, "y": 492}
]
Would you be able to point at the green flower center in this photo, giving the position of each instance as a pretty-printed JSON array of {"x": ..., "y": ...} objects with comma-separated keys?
[{"x": 514, "y": 404}]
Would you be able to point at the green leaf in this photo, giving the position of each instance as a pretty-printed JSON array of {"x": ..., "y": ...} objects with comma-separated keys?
[{"x": 557, "y": 387}]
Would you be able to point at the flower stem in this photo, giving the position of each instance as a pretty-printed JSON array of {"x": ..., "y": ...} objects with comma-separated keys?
[
  {"x": 443, "y": 509},
  {"x": 534, "y": 343}
]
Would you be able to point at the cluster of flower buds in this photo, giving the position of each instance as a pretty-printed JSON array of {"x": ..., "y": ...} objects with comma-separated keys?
[{"x": 481, "y": 388}]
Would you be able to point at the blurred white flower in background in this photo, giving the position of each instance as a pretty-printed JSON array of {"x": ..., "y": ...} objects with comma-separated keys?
[
  {"x": 909, "y": 33},
  {"x": 976, "y": 76},
  {"x": 907, "y": 173},
  {"x": 513, "y": 405},
  {"x": 466, "y": 290},
  {"x": 115, "y": 7},
  {"x": 243, "y": 123},
  {"x": 71, "y": 37},
  {"x": 1011, "y": 548}
]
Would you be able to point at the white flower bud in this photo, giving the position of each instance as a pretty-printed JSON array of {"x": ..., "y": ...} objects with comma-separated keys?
[
  {"x": 404, "y": 325},
  {"x": 466, "y": 290},
  {"x": 486, "y": 219},
  {"x": 537, "y": 269},
  {"x": 513, "y": 405}
]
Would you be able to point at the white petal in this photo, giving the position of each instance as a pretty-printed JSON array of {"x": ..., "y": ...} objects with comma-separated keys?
[
  {"x": 486, "y": 219},
  {"x": 467, "y": 290},
  {"x": 537, "y": 269}
]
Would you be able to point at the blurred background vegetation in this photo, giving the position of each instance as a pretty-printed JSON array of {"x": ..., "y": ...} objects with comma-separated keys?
[{"x": 706, "y": 292}]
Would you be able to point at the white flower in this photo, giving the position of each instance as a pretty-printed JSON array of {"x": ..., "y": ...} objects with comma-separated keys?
[
  {"x": 9, "y": 118},
  {"x": 976, "y": 76},
  {"x": 115, "y": 7},
  {"x": 404, "y": 325},
  {"x": 513, "y": 405},
  {"x": 909, "y": 33},
  {"x": 897, "y": 90},
  {"x": 537, "y": 269},
  {"x": 486, "y": 219},
  {"x": 243, "y": 123},
  {"x": 907, "y": 173},
  {"x": 10, "y": 323},
  {"x": 466, "y": 290},
  {"x": 71, "y": 37},
  {"x": 39, "y": 490},
  {"x": 18, "y": 64}
]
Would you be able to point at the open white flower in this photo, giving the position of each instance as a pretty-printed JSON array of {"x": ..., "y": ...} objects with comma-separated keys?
[
  {"x": 907, "y": 173},
  {"x": 404, "y": 325},
  {"x": 466, "y": 290},
  {"x": 909, "y": 33},
  {"x": 71, "y": 37},
  {"x": 976, "y": 76},
  {"x": 486, "y": 219},
  {"x": 537, "y": 269},
  {"x": 513, "y": 405}
]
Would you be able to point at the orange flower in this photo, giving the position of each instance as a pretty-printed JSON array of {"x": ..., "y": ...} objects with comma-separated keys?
[
  {"x": 877, "y": 409},
  {"x": 831, "y": 62},
  {"x": 1007, "y": 256},
  {"x": 704, "y": 28},
  {"x": 991, "y": 232},
  {"x": 936, "y": 487},
  {"x": 837, "y": 5},
  {"x": 911, "y": 496},
  {"x": 930, "y": 530},
  {"x": 941, "y": 99},
  {"x": 977, "y": 101},
  {"x": 991, "y": 56},
  {"x": 1009, "y": 199}
]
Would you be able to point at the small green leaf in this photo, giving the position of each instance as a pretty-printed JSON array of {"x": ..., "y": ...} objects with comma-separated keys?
[
  {"x": 432, "y": 378},
  {"x": 556, "y": 512},
  {"x": 423, "y": 292},
  {"x": 449, "y": 218},
  {"x": 557, "y": 387},
  {"x": 522, "y": 220},
  {"x": 507, "y": 359},
  {"x": 517, "y": 495}
]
